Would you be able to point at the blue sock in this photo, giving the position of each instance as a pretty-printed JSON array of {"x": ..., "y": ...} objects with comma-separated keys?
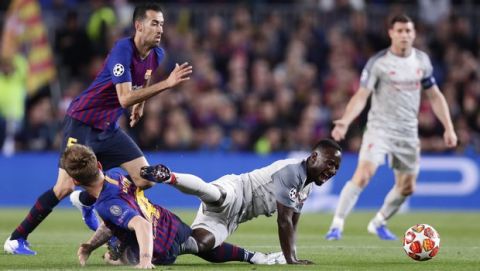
[
  {"x": 86, "y": 199},
  {"x": 42, "y": 208},
  {"x": 226, "y": 253}
]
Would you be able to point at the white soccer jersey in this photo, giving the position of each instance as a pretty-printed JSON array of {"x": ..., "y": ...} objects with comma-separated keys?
[
  {"x": 396, "y": 83},
  {"x": 282, "y": 181}
]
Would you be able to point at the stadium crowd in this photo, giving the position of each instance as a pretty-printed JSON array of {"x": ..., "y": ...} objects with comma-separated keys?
[{"x": 269, "y": 78}]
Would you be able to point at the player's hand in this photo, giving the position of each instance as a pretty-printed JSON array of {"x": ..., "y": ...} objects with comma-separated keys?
[
  {"x": 146, "y": 265},
  {"x": 340, "y": 129},
  {"x": 137, "y": 113},
  {"x": 304, "y": 262},
  {"x": 450, "y": 138},
  {"x": 83, "y": 253},
  {"x": 179, "y": 74}
]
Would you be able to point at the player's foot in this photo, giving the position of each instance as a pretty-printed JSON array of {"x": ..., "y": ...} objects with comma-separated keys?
[
  {"x": 88, "y": 212},
  {"x": 268, "y": 259},
  {"x": 334, "y": 234},
  {"x": 158, "y": 174},
  {"x": 19, "y": 247},
  {"x": 382, "y": 231}
]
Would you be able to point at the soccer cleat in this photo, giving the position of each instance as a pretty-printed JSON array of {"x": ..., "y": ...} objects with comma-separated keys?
[
  {"x": 88, "y": 212},
  {"x": 268, "y": 259},
  {"x": 334, "y": 234},
  {"x": 158, "y": 174},
  {"x": 18, "y": 247},
  {"x": 381, "y": 231}
]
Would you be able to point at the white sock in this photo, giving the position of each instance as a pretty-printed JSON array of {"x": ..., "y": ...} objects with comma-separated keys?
[
  {"x": 193, "y": 185},
  {"x": 392, "y": 203},
  {"x": 348, "y": 199}
]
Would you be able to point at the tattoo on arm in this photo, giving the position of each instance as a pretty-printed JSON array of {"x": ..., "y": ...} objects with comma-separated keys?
[{"x": 100, "y": 237}]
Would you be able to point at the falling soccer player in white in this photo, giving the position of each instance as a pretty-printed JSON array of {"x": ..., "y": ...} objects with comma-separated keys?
[
  {"x": 395, "y": 78},
  {"x": 282, "y": 186}
]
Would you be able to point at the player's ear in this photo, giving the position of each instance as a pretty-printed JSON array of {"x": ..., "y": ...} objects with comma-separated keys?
[
  {"x": 138, "y": 26},
  {"x": 314, "y": 155},
  {"x": 76, "y": 182},
  {"x": 99, "y": 165}
]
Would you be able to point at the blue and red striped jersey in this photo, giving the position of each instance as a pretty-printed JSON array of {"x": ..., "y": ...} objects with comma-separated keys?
[
  {"x": 120, "y": 201},
  {"x": 98, "y": 105}
]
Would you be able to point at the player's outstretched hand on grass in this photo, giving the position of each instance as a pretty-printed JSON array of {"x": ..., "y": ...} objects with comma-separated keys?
[
  {"x": 145, "y": 266},
  {"x": 83, "y": 253},
  {"x": 179, "y": 74},
  {"x": 304, "y": 262},
  {"x": 340, "y": 129}
]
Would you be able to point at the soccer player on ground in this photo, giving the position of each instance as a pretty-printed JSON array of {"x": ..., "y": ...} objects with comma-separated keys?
[
  {"x": 92, "y": 118},
  {"x": 148, "y": 234},
  {"x": 233, "y": 199},
  {"x": 395, "y": 77}
]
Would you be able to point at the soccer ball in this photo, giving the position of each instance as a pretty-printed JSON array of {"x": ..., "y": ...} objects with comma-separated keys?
[{"x": 421, "y": 242}]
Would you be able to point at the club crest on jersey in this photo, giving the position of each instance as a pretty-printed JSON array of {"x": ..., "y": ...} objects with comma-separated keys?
[
  {"x": 293, "y": 194},
  {"x": 118, "y": 69},
  {"x": 115, "y": 210}
]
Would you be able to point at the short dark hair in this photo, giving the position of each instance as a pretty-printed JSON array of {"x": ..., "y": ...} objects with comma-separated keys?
[
  {"x": 141, "y": 10},
  {"x": 80, "y": 163},
  {"x": 327, "y": 143},
  {"x": 400, "y": 18}
]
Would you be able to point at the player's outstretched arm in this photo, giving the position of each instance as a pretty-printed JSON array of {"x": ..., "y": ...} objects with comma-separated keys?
[
  {"x": 100, "y": 237},
  {"x": 143, "y": 232},
  {"x": 440, "y": 109},
  {"x": 287, "y": 224},
  {"x": 354, "y": 108},
  {"x": 127, "y": 97}
]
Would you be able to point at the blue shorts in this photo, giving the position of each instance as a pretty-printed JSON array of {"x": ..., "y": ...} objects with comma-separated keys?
[
  {"x": 112, "y": 147},
  {"x": 183, "y": 232}
]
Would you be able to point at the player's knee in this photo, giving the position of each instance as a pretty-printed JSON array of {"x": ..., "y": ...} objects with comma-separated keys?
[
  {"x": 407, "y": 190},
  {"x": 205, "y": 239},
  {"x": 204, "y": 245},
  {"x": 362, "y": 178}
]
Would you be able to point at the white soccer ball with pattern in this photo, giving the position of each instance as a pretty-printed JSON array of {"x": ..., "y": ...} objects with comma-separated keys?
[{"x": 421, "y": 242}]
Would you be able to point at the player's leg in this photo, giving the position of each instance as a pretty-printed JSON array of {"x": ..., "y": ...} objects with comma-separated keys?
[
  {"x": 186, "y": 183},
  {"x": 16, "y": 244},
  {"x": 133, "y": 168},
  {"x": 405, "y": 162},
  {"x": 404, "y": 186},
  {"x": 349, "y": 197},
  {"x": 202, "y": 244}
]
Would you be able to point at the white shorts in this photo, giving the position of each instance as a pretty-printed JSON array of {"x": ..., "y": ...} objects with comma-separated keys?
[
  {"x": 222, "y": 221},
  {"x": 403, "y": 155}
]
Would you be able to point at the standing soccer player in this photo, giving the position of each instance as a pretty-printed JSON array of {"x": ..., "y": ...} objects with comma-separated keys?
[
  {"x": 395, "y": 78},
  {"x": 92, "y": 118}
]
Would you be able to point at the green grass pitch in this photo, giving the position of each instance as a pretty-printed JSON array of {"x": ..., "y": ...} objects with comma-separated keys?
[{"x": 57, "y": 239}]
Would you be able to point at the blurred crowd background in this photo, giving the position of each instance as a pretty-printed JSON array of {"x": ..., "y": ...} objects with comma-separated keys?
[{"x": 268, "y": 75}]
